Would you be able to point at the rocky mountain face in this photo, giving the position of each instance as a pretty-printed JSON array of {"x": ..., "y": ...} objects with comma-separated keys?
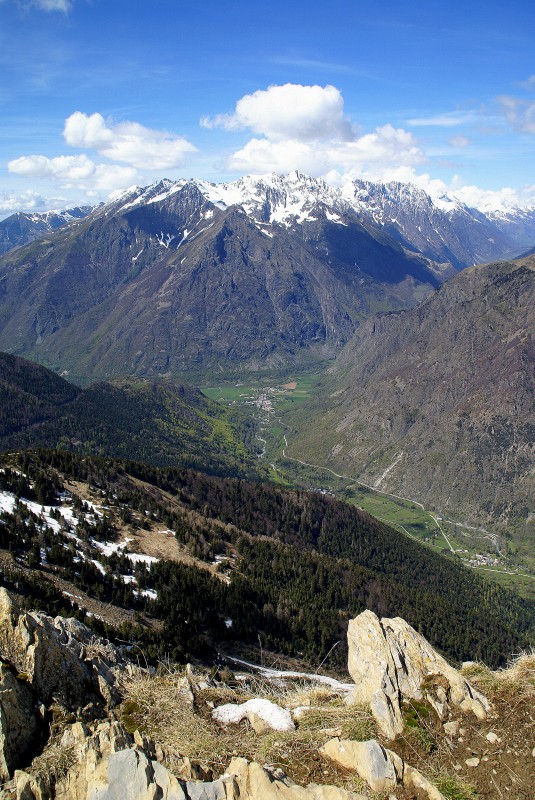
[
  {"x": 436, "y": 403},
  {"x": 22, "y": 228},
  {"x": 265, "y": 272},
  {"x": 443, "y": 229},
  {"x": 167, "y": 280}
]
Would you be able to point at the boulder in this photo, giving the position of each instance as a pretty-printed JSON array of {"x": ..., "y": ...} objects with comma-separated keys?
[
  {"x": 390, "y": 661},
  {"x": 19, "y": 724},
  {"x": 381, "y": 768},
  {"x": 250, "y": 781}
]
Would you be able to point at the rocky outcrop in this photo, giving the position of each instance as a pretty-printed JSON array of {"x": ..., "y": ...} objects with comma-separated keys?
[
  {"x": 61, "y": 659},
  {"x": 250, "y": 781},
  {"x": 19, "y": 722},
  {"x": 381, "y": 768},
  {"x": 390, "y": 661},
  {"x": 110, "y": 764},
  {"x": 48, "y": 662}
]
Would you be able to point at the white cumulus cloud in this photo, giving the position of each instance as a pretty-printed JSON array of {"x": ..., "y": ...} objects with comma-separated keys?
[
  {"x": 373, "y": 154},
  {"x": 60, "y": 167},
  {"x": 305, "y": 128},
  {"x": 26, "y": 201},
  {"x": 75, "y": 172},
  {"x": 289, "y": 112},
  {"x": 128, "y": 142}
]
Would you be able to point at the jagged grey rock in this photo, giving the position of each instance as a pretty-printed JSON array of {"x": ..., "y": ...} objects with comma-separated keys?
[
  {"x": 213, "y": 790},
  {"x": 19, "y": 724},
  {"x": 390, "y": 661},
  {"x": 371, "y": 760}
]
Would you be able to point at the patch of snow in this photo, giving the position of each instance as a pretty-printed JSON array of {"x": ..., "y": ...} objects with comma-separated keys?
[
  {"x": 110, "y": 547},
  {"x": 165, "y": 239},
  {"x": 279, "y": 673},
  {"x": 334, "y": 218},
  {"x": 7, "y": 502},
  {"x": 141, "y": 558},
  {"x": 279, "y": 719},
  {"x": 98, "y": 565}
]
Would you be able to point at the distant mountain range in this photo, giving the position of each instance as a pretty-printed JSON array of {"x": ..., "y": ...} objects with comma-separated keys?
[
  {"x": 175, "y": 278},
  {"x": 441, "y": 227},
  {"x": 437, "y": 403},
  {"x": 190, "y": 277},
  {"x": 163, "y": 423},
  {"x": 21, "y": 228}
]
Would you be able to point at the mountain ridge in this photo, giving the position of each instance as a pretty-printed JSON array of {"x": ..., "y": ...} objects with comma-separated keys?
[
  {"x": 436, "y": 403},
  {"x": 163, "y": 423},
  {"x": 23, "y": 227}
]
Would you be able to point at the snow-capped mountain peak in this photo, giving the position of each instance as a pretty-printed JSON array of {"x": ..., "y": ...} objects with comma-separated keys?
[{"x": 440, "y": 226}]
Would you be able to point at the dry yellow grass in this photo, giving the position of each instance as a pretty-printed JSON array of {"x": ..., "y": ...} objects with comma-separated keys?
[
  {"x": 157, "y": 706},
  {"x": 518, "y": 678}
]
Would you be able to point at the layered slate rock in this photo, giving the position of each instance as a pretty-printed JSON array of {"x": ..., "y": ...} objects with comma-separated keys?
[{"x": 390, "y": 661}]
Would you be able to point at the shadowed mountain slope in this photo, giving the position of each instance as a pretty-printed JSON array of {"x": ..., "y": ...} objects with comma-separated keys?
[
  {"x": 168, "y": 280},
  {"x": 163, "y": 423}
]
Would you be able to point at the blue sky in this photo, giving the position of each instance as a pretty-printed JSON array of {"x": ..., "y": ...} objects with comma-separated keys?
[{"x": 97, "y": 95}]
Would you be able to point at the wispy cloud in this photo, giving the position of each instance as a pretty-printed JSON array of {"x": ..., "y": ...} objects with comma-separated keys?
[
  {"x": 528, "y": 84},
  {"x": 519, "y": 113},
  {"x": 450, "y": 119},
  {"x": 48, "y": 5},
  {"x": 460, "y": 141},
  {"x": 318, "y": 64}
]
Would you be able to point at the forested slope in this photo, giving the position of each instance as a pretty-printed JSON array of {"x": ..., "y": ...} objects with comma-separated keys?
[
  {"x": 288, "y": 567},
  {"x": 160, "y": 422}
]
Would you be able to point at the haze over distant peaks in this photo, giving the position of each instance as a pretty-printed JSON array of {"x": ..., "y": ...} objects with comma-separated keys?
[{"x": 21, "y": 228}]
